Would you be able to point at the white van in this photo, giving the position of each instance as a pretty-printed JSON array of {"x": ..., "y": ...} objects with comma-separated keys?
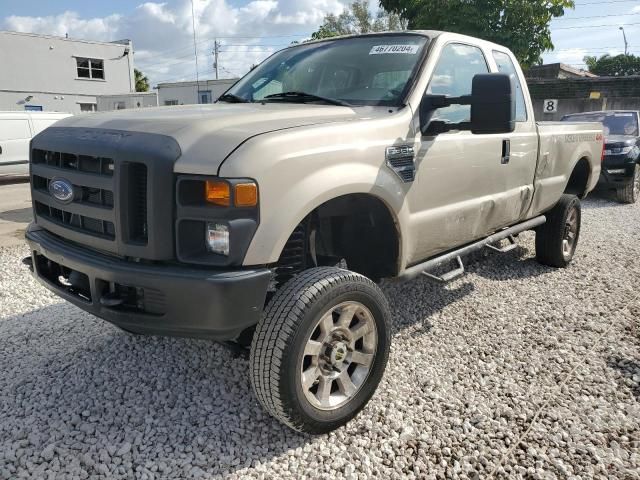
[{"x": 16, "y": 131}]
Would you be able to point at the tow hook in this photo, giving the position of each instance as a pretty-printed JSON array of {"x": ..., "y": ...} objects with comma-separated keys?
[{"x": 111, "y": 300}]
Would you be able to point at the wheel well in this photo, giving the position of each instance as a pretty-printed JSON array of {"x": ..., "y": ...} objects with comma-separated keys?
[
  {"x": 358, "y": 229},
  {"x": 579, "y": 178}
]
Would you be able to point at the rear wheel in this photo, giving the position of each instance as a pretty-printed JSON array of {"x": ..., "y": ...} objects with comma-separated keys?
[
  {"x": 557, "y": 239},
  {"x": 321, "y": 349},
  {"x": 631, "y": 192}
]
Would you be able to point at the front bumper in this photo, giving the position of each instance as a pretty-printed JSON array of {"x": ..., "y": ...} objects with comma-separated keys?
[
  {"x": 616, "y": 172},
  {"x": 150, "y": 298}
]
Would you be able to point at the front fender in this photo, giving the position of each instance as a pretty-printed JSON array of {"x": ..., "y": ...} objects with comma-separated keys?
[{"x": 280, "y": 214}]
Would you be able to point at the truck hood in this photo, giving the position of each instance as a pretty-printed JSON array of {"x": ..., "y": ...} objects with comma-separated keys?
[{"x": 207, "y": 134}]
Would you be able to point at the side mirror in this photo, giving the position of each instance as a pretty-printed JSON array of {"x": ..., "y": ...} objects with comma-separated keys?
[{"x": 493, "y": 107}]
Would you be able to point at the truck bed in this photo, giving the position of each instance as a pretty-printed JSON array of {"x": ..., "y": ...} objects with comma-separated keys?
[{"x": 562, "y": 145}]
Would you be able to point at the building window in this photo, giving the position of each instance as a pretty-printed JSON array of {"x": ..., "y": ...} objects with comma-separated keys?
[
  {"x": 204, "y": 96},
  {"x": 171, "y": 102},
  {"x": 88, "y": 107},
  {"x": 90, "y": 68}
]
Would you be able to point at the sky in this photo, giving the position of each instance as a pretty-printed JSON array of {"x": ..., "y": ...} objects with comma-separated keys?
[{"x": 249, "y": 31}]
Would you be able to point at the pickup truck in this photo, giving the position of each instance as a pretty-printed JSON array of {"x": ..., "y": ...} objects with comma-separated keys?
[
  {"x": 621, "y": 164},
  {"x": 268, "y": 218}
]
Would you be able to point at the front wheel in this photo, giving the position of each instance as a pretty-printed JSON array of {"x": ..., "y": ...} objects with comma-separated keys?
[
  {"x": 321, "y": 349},
  {"x": 630, "y": 192},
  {"x": 557, "y": 239}
]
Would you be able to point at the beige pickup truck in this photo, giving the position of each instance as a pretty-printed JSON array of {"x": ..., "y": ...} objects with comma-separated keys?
[{"x": 267, "y": 218}]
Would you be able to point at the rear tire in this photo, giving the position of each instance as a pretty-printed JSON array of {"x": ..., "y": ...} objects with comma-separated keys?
[
  {"x": 631, "y": 192},
  {"x": 321, "y": 348},
  {"x": 557, "y": 239}
]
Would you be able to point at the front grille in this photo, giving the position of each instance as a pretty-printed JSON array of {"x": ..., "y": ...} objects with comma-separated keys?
[
  {"x": 76, "y": 222},
  {"x": 106, "y": 183},
  {"x": 70, "y": 161},
  {"x": 87, "y": 195},
  {"x": 92, "y": 210},
  {"x": 138, "y": 202}
]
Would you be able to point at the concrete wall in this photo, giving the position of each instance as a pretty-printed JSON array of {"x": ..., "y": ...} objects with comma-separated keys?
[
  {"x": 44, "y": 68},
  {"x": 127, "y": 101},
  {"x": 581, "y": 95},
  {"x": 186, "y": 93}
]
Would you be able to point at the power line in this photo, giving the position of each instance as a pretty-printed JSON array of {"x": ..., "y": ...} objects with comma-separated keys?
[
  {"x": 597, "y": 26},
  {"x": 598, "y": 16},
  {"x": 604, "y": 2}
]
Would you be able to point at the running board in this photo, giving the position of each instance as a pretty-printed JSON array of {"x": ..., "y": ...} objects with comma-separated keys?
[
  {"x": 435, "y": 262},
  {"x": 447, "y": 277},
  {"x": 507, "y": 248}
]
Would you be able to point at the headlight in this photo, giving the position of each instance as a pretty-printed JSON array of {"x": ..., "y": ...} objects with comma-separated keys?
[{"x": 217, "y": 238}]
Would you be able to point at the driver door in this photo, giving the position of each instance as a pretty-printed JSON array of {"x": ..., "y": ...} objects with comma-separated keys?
[{"x": 459, "y": 175}]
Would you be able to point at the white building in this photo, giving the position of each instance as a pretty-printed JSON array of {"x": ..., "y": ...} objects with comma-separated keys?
[
  {"x": 185, "y": 93},
  {"x": 42, "y": 72},
  {"x": 127, "y": 101}
]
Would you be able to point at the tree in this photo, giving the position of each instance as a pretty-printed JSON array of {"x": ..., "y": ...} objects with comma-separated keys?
[
  {"x": 618, "y": 66},
  {"x": 142, "y": 82},
  {"x": 521, "y": 25},
  {"x": 357, "y": 18}
]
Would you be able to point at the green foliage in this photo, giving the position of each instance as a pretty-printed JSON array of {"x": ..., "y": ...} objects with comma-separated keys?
[
  {"x": 142, "y": 82},
  {"x": 521, "y": 25},
  {"x": 357, "y": 19},
  {"x": 618, "y": 66}
]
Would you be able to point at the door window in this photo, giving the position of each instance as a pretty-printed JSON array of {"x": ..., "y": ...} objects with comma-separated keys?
[
  {"x": 14, "y": 129},
  {"x": 453, "y": 76},
  {"x": 505, "y": 65}
]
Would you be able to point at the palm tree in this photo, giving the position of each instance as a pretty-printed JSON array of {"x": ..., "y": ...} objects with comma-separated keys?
[{"x": 142, "y": 82}]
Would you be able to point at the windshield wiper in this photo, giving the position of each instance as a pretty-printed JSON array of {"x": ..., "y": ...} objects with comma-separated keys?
[
  {"x": 302, "y": 96},
  {"x": 232, "y": 98}
]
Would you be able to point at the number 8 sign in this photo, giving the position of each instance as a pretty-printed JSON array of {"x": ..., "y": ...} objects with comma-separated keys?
[{"x": 550, "y": 106}]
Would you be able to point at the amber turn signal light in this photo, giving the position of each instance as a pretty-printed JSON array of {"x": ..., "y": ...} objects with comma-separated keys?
[
  {"x": 218, "y": 193},
  {"x": 246, "y": 195}
]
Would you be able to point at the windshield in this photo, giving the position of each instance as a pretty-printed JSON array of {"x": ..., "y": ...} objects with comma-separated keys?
[
  {"x": 622, "y": 123},
  {"x": 370, "y": 70}
]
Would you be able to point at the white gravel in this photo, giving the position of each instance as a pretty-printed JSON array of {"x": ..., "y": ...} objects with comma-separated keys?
[{"x": 510, "y": 348}]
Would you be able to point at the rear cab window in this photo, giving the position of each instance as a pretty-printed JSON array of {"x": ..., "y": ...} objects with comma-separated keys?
[{"x": 506, "y": 65}]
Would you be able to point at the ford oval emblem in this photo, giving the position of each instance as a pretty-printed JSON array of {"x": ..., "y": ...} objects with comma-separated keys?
[{"x": 62, "y": 190}]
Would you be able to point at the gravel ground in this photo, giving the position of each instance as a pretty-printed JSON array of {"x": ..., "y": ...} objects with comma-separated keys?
[{"x": 513, "y": 371}]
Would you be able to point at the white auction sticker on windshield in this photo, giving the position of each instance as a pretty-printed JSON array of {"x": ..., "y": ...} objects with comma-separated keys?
[{"x": 384, "y": 49}]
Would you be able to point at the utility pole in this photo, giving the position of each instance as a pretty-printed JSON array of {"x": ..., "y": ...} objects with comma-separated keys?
[
  {"x": 215, "y": 57},
  {"x": 626, "y": 45}
]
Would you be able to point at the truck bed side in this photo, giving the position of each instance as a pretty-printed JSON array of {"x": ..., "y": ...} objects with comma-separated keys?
[{"x": 562, "y": 146}]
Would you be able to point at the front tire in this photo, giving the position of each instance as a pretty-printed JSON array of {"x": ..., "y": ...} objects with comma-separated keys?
[
  {"x": 630, "y": 192},
  {"x": 321, "y": 348},
  {"x": 557, "y": 239}
]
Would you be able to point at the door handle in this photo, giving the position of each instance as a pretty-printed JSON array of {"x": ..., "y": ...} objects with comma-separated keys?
[{"x": 506, "y": 152}]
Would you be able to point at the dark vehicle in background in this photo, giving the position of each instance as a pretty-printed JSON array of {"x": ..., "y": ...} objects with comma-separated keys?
[{"x": 621, "y": 165}]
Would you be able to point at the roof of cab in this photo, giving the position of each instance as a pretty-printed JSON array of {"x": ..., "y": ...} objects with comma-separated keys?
[{"x": 431, "y": 34}]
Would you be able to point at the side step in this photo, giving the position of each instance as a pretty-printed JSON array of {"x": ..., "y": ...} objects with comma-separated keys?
[{"x": 508, "y": 233}]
